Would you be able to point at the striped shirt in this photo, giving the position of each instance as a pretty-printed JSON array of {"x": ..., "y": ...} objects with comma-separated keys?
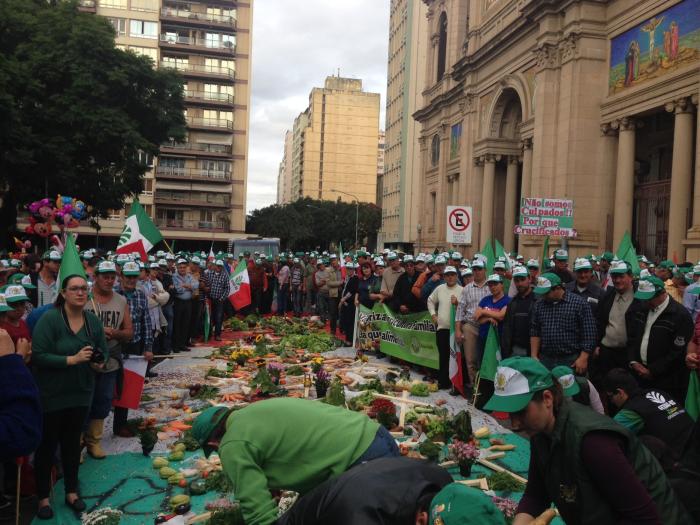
[{"x": 472, "y": 294}]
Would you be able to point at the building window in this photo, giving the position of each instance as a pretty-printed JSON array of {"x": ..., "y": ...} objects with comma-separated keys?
[
  {"x": 113, "y": 4},
  {"x": 145, "y": 5},
  {"x": 145, "y": 159},
  {"x": 455, "y": 140},
  {"x": 150, "y": 52},
  {"x": 218, "y": 40},
  {"x": 433, "y": 208},
  {"x": 144, "y": 29},
  {"x": 442, "y": 46},
  {"x": 435, "y": 151},
  {"x": 119, "y": 25}
]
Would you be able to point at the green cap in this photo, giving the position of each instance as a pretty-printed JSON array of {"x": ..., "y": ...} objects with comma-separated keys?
[
  {"x": 106, "y": 267},
  {"x": 15, "y": 293},
  {"x": 495, "y": 278},
  {"x": 520, "y": 271},
  {"x": 517, "y": 379},
  {"x": 619, "y": 267},
  {"x": 3, "y": 304},
  {"x": 205, "y": 424},
  {"x": 561, "y": 255},
  {"x": 131, "y": 269},
  {"x": 546, "y": 282},
  {"x": 649, "y": 287},
  {"x": 607, "y": 256},
  {"x": 22, "y": 279},
  {"x": 567, "y": 380},
  {"x": 667, "y": 265},
  {"x": 457, "y": 504}
]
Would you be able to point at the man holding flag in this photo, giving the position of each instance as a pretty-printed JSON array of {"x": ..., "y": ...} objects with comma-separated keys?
[
  {"x": 218, "y": 282},
  {"x": 440, "y": 306}
]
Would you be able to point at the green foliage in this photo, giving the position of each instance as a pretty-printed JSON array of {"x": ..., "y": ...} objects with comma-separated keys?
[
  {"x": 336, "y": 394},
  {"x": 263, "y": 382},
  {"x": 430, "y": 450},
  {"x": 316, "y": 343},
  {"x": 462, "y": 426},
  {"x": 218, "y": 481},
  {"x": 75, "y": 111},
  {"x": 306, "y": 223},
  {"x": 189, "y": 441},
  {"x": 295, "y": 370},
  {"x": 420, "y": 390},
  {"x": 374, "y": 384},
  {"x": 502, "y": 481},
  {"x": 207, "y": 392},
  {"x": 215, "y": 372}
]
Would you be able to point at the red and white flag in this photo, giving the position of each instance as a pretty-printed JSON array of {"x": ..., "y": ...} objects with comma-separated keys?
[
  {"x": 134, "y": 377},
  {"x": 139, "y": 233},
  {"x": 239, "y": 286},
  {"x": 455, "y": 370}
]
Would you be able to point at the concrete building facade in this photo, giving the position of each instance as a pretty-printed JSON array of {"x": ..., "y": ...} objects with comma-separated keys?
[
  {"x": 284, "y": 178},
  {"x": 335, "y": 143},
  {"x": 195, "y": 189},
  {"x": 400, "y": 189},
  {"x": 589, "y": 100}
]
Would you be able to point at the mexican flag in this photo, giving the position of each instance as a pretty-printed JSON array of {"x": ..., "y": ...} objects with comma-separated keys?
[
  {"x": 239, "y": 286},
  {"x": 455, "y": 370},
  {"x": 139, "y": 233},
  {"x": 134, "y": 377},
  {"x": 207, "y": 319}
]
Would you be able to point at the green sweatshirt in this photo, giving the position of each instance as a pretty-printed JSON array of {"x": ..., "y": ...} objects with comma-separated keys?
[
  {"x": 62, "y": 386},
  {"x": 292, "y": 444}
]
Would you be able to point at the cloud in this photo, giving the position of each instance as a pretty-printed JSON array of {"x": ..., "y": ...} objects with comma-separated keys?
[{"x": 296, "y": 45}]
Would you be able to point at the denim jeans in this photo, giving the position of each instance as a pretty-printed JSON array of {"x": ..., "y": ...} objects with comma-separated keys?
[
  {"x": 169, "y": 315},
  {"x": 103, "y": 394},
  {"x": 217, "y": 313},
  {"x": 282, "y": 297},
  {"x": 322, "y": 306},
  {"x": 557, "y": 360},
  {"x": 383, "y": 446},
  {"x": 297, "y": 298}
]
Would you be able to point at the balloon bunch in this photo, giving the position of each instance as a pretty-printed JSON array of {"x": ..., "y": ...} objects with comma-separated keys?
[{"x": 65, "y": 212}]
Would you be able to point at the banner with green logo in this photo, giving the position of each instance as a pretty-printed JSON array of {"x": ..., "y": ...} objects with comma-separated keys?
[{"x": 409, "y": 337}]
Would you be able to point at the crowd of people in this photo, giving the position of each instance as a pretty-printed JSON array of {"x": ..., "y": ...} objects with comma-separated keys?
[{"x": 596, "y": 335}]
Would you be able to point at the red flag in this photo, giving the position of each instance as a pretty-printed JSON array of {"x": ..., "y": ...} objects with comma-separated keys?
[{"x": 134, "y": 377}]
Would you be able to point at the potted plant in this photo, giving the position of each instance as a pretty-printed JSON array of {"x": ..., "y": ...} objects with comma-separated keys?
[
  {"x": 322, "y": 380},
  {"x": 507, "y": 506},
  {"x": 465, "y": 453},
  {"x": 385, "y": 412}
]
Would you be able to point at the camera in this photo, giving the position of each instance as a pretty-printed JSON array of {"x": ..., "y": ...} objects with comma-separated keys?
[{"x": 97, "y": 356}]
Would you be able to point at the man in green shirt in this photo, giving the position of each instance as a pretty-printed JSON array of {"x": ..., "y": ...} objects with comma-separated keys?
[{"x": 287, "y": 443}]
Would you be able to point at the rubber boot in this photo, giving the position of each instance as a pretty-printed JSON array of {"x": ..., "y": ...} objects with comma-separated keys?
[{"x": 93, "y": 437}]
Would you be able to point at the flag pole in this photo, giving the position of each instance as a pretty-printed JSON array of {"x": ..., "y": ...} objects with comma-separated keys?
[{"x": 168, "y": 247}]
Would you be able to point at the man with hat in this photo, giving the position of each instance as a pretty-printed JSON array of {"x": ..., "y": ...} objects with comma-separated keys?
[
  {"x": 436, "y": 279},
  {"x": 658, "y": 339},
  {"x": 112, "y": 310},
  {"x": 594, "y": 470},
  {"x": 615, "y": 309},
  {"x": 16, "y": 299},
  {"x": 492, "y": 309},
  {"x": 602, "y": 276},
  {"x": 440, "y": 304},
  {"x": 307, "y": 444},
  {"x": 583, "y": 284},
  {"x": 562, "y": 329},
  {"x": 218, "y": 283},
  {"x": 533, "y": 270},
  {"x": 561, "y": 266},
  {"x": 46, "y": 285},
  {"x": 403, "y": 300},
  {"x": 466, "y": 324},
  {"x": 184, "y": 287},
  {"x": 334, "y": 282},
  {"x": 390, "y": 276},
  {"x": 516, "y": 324}
]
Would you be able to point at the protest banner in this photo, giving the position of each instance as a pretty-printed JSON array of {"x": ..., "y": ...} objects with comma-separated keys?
[
  {"x": 409, "y": 337},
  {"x": 554, "y": 217}
]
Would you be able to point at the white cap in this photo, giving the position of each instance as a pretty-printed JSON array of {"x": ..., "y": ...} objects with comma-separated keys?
[
  {"x": 440, "y": 259},
  {"x": 449, "y": 269},
  {"x": 582, "y": 263},
  {"x": 520, "y": 271}
]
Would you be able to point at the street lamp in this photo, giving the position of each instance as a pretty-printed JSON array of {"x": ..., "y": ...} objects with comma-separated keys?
[{"x": 357, "y": 210}]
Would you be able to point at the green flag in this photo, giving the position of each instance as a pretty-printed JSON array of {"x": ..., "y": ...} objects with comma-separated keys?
[
  {"x": 487, "y": 251},
  {"x": 207, "y": 320},
  {"x": 627, "y": 253},
  {"x": 545, "y": 255},
  {"x": 70, "y": 263},
  {"x": 492, "y": 356},
  {"x": 692, "y": 400}
]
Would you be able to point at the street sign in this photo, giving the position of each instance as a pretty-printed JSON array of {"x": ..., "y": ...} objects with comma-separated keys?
[
  {"x": 459, "y": 224},
  {"x": 554, "y": 217}
]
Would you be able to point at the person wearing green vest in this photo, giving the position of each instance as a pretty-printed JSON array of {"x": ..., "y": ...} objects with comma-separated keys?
[
  {"x": 287, "y": 443},
  {"x": 594, "y": 470}
]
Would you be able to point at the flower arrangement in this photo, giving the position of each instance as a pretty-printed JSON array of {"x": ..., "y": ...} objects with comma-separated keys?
[
  {"x": 507, "y": 506},
  {"x": 103, "y": 516},
  {"x": 322, "y": 380},
  {"x": 316, "y": 364},
  {"x": 224, "y": 512},
  {"x": 148, "y": 435},
  {"x": 275, "y": 370},
  {"x": 241, "y": 355},
  {"x": 465, "y": 453},
  {"x": 385, "y": 412}
]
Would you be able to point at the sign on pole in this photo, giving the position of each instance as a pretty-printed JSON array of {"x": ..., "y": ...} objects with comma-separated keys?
[
  {"x": 554, "y": 217},
  {"x": 459, "y": 224}
]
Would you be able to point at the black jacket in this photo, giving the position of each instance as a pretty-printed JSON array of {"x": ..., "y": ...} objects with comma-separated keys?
[
  {"x": 592, "y": 294},
  {"x": 603, "y": 312},
  {"x": 403, "y": 296},
  {"x": 380, "y": 492},
  {"x": 668, "y": 341},
  {"x": 511, "y": 322}
]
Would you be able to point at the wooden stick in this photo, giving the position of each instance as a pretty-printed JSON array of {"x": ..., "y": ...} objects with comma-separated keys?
[
  {"x": 401, "y": 400},
  {"x": 404, "y": 407},
  {"x": 496, "y": 455},
  {"x": 476, "y": 389},
  {"x": 198, "y": 518},
  {"x": 481, "y": 483},
  {"x": 486, "y": 463}
]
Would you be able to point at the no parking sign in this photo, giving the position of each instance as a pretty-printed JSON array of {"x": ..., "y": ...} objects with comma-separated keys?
[{"x": 459, "y": 224}]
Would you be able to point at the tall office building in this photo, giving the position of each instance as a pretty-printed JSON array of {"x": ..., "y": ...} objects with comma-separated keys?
[
  {"x": 284, "y": 179},
  {"x": 335, "y": 143},
  {"x": 380, "y": 167},
  {"x": 195, "y": 189},
  {"x": 400, "y": 191}
]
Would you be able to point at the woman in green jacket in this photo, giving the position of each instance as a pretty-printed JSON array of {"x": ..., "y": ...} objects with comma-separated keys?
[{"x": 66, "y": 341}]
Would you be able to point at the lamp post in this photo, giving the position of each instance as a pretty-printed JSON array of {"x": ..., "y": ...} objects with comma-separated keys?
[{"x": 357, "y": 210}]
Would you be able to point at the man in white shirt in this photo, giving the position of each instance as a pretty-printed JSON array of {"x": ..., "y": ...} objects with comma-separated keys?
[{"x": 440, "y": 304}]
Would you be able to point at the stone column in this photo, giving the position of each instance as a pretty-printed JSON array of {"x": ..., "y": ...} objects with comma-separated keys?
[
  {"x": 486, "y": 231},
  {"x": 624, "y": 182},
  {"x": 477, "y": 180},
  {"x": 681, "y": 177},
  {"x": 511, "y": 202},
  {"x": 525, "y": 187},
  {"x": 608, "y": 169}
]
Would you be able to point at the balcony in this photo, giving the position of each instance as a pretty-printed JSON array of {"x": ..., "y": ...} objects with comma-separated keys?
[
  {"x": 197, "y": 45},
  {"x": 196, "y": 149},
  {"x": 209, "y": 98},
  {"x": 201, "y": 70},
  {"x": 209, "y": 124},
  {"x": 209, "y": 200},
  {"x": 192, "y": 174},
  {"x": 186, "y": 224},
  {"x": 87, "y": 6},
  {"x": 173, "y": 14}
]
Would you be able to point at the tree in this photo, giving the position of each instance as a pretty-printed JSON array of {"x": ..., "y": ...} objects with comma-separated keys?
[
  {"x": 77, "y": 115},
  {"x": 307, "y": 223}
]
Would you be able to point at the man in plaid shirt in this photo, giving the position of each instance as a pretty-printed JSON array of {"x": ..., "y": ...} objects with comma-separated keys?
[
  {"x": 562, "y": 328},
  {"x": 218, "y": 292}
]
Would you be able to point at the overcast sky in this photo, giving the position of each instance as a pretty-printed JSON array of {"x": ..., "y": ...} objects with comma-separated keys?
[{"x": 296, "y": 45}]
